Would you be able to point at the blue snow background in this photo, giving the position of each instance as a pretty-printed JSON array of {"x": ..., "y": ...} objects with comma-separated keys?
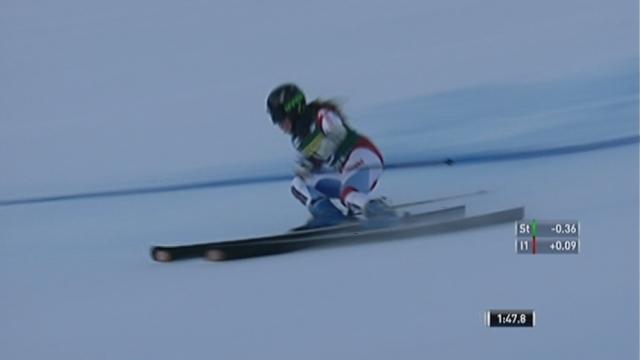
[{"x": 142, "y": 94}]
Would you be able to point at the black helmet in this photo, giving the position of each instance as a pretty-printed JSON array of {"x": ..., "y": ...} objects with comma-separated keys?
[{"x": 285, "y": 100}]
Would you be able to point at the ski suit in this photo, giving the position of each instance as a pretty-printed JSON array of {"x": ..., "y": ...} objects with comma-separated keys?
[{"x": 335, "y": 161}]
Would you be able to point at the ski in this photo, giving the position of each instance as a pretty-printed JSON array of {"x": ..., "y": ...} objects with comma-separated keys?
[
  {"x": 181, "y": 252},
  {"x": 240, "y": 250},
  {"x": 425, "y": 202},
  {"x": 439, "y": 199}
]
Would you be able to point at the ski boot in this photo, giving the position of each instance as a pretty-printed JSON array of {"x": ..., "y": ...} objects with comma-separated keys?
[
  {"x": 380, "y": 213},
  {"x": 323, "y": 214},
  {"x": 379, "y": 208}
]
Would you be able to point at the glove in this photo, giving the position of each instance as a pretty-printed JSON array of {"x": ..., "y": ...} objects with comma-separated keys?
[{"x": 304, "y": 167}]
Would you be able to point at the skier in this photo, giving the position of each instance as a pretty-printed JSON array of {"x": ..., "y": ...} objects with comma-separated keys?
[{"x": 334, "y": 161}]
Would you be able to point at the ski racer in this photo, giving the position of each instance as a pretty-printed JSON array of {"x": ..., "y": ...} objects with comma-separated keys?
[{"x": 334, "y": 161}]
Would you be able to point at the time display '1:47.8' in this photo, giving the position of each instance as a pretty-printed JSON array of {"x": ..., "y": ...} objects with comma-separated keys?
[{"x": 510, "y": 318}]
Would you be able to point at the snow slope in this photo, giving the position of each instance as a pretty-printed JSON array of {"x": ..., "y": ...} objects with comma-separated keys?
[
  {"x": 136, "y": 94},
  {"x": 77, "y": 281}
]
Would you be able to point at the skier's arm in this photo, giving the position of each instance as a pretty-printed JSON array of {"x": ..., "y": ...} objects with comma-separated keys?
[
  {"x": 331, "y": 125},
  {"x": 306, "y": 166},
  {"x": 325, "y": 142}
]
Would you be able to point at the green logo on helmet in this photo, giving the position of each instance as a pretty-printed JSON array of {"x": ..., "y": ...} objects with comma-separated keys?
[{"x": 296, "y": 101}]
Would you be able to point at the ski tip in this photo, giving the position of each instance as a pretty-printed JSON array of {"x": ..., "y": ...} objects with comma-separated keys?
[
  {"x": 160, "y": 255},
  {"x": 215, "y": 255}
]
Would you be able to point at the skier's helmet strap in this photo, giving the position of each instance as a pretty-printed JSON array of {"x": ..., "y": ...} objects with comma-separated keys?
[{"x": 285, "y": 100}]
